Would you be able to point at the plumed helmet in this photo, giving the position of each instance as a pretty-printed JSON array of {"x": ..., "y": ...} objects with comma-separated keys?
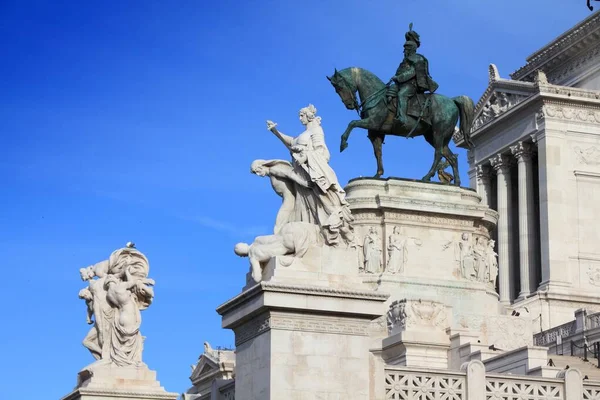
[{"x": 412, "y": 36}]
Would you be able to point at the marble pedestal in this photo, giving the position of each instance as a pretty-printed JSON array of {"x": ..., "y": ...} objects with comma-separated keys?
[
  {"x": 108, "y": 382},
  {"x": 295, "y": 340},
  {"x": 444, "y": 233}
]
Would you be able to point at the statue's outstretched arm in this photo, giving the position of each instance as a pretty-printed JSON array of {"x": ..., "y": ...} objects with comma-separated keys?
[{"x": 287, "y": 140}]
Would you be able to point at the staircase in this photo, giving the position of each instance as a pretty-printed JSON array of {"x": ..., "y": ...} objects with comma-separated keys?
[{"x": 585, "y": 367}]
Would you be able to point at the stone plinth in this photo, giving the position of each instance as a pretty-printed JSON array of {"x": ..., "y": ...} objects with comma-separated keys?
[
  {"x": 320, "y": 266},
  {"x": 433, "y": 242},
  {"x": 108, "y": 382},
  {"x": 418, "y": 335},
  {"x": 302, "y": 341}
]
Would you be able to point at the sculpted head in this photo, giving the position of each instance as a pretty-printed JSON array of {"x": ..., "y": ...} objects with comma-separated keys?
[
  {"x": 491, "y": 243},
  {"x": 242, "y": 249},
  {"x": 259, "y": 168},
  {"x": 397, "y": 230},
  {"x": 308, "y": 114},
  {"x": 130, "y": 259},
  {"x": 410, "y": 48},
  {"x": 465, "y": 236}
]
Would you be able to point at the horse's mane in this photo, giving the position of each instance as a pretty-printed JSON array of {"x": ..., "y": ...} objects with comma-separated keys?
[{"x": 367, "y": 76}]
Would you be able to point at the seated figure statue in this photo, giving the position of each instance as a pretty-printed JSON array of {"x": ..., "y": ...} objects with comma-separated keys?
[{"x": 294, "y": 238}]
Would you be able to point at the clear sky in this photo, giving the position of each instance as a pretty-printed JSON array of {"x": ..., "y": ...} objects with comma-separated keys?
[{"x": 138, "y": 120}]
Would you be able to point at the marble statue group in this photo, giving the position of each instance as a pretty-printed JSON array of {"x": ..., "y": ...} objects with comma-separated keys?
[
  {"x": 118, "y": 289},
  {"x": 314, "y": 209}
]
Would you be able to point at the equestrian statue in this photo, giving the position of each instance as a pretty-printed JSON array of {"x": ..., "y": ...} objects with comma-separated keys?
[{"x": 407, "y": 106}]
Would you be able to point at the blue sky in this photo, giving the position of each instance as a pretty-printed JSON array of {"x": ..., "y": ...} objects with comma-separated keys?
[{"x": 138, "y": 120}]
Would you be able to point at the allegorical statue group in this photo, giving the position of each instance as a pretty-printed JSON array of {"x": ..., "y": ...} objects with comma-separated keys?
[{"x": 118, "y": 289}]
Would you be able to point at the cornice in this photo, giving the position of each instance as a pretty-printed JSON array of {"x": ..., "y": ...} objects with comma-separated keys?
[
  {"x": 299, "y": 289},
  {"x": 565, "y": 46},
  {"x": 125, "y": 394}
]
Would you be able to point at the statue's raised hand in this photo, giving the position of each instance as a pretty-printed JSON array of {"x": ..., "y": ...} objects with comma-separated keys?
[{"x": 271, "y": 125}]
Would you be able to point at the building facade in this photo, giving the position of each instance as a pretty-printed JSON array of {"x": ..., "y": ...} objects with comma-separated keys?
[{"x": 536, "y": 161}]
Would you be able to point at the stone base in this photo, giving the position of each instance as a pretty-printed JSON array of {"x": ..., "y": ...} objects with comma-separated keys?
[
  {"x": 297, "y": 341},
  {"x": 320, "y": 266},
  {"x": 104, "y": 382},
  {"x": 417, "y": 349}
]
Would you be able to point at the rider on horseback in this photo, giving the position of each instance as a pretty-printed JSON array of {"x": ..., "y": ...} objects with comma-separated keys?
[{"x": 412, "y": 76}]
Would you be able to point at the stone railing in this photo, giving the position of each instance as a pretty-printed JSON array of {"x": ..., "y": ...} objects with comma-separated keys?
[
  {"x": 545, "y": 338},
  {"x": 592, "y": 321},
  {"x": 472, "y": 383}
]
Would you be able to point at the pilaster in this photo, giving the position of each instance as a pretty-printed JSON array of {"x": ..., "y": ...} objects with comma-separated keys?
[{"x": 483, "y": 183}]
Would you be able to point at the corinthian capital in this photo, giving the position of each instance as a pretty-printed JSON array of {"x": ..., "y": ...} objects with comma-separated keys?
[
  {"x": 483, "y": 172},
  {"x": 522, "y": 151},
  {"x": 501, "y": 163}
]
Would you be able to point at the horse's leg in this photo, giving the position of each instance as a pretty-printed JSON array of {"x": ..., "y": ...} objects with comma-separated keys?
[
  {"x": 376, "y": 139},
  {"x": 367, "y": 123},
  {"x": 351, "y": 125},
  {"x": 453, "y": 160},
  {"x": 437, "y": 143}
]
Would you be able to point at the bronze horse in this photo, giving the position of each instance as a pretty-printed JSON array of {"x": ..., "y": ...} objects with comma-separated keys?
[{"x": 377, "y": 116}]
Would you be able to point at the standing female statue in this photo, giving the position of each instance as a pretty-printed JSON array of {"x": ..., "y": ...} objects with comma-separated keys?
[
  {"x": 322, "y": 200},
  {"x": 396, "y": 252}
]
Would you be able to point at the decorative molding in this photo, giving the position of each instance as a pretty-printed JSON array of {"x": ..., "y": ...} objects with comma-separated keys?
[
  {"x": 428, "y": 218},
  {"x": 321, "y": 290},
  {"x": 575, "y": 65},
  {"x": 300, "y": 323},
  {"x": 129, "y": 394},
  {"x": 493, "y": 73},
  {"x": 563, "y": 47},
  {"x": 252, "y": 328},
  {"x": 571, "y": 92},
  {"x": 572, "y": 114}
]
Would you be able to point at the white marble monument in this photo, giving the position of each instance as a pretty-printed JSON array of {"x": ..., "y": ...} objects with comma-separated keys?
[{"x": 118, "y": 290}]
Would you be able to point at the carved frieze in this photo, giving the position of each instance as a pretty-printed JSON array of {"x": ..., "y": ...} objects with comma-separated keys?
[
  {"x": 573, "y": 114},
  {"x": 405, "y": 314},
  {"x": 497, "y": 104}
]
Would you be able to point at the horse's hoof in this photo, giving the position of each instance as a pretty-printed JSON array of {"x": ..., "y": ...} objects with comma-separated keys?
[
  {"x": 376, "y": 176},
  {"x": 426, "y": 179},
  {"x": 343, "y": 146}
]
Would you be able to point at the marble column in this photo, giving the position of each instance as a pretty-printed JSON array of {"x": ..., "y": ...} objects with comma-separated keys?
[
  {"x": 522, "y": 151},
  {"x": 501, "y": 164},
  {"x": 483, "y": 184}
]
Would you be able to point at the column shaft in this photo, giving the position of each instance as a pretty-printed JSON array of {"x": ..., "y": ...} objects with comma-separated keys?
[
  {"x": 502, "y": 167},
  {"x": 526, "y": 217}
]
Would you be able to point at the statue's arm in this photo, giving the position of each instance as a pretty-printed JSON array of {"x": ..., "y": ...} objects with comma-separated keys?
[
  {"x": 285, "y": 139},
  {"x": 406, "y": 74}
]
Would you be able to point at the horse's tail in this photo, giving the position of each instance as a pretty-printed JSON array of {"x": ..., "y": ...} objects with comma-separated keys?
[{"x": 467, "y": 112}]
